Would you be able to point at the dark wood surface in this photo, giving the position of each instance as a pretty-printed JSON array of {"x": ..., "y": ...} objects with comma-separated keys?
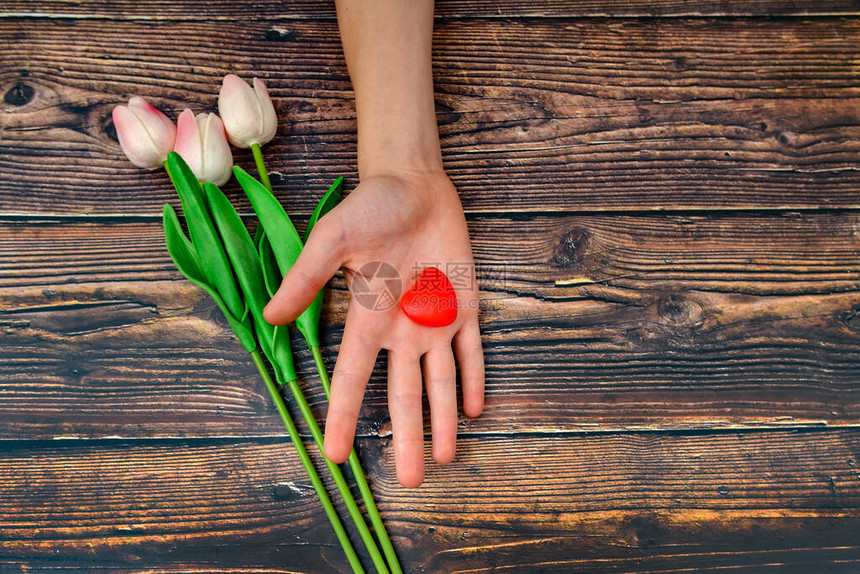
[
  {"x": 664, "y": 202},
  {"x": 565, "y": 114}
]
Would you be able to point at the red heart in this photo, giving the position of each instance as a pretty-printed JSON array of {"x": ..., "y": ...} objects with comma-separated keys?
[{"x": 431, "y": 300}]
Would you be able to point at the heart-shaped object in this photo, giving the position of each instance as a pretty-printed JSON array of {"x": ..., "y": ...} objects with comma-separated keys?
[{"x": 431, "y": 300}]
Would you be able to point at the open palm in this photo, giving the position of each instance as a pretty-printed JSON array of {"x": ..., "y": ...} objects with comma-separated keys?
[{"x": 402, "y": 223}]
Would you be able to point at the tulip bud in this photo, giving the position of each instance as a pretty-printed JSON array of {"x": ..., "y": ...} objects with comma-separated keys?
[
  {"x": 248, "y": 113},
  {"x": 145, "y": 134},
  {"x": 203, "y": 145}
]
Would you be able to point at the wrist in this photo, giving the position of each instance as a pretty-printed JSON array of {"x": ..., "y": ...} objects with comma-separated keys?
[
  {"x": 399, "y": 160},
  {"x": 399, "y": 143},
  {"x": 388, "y": 47}
]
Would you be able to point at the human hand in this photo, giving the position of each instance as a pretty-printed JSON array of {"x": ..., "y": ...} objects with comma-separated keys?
[{"x": 409, "y": 220}]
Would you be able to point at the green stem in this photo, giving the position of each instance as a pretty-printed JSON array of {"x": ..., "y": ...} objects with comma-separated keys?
[
  {"x": 360, "y": 478},
  {"x": 261, "y": 166},
  {"x": 264, "y": 179},
  {"x": 342, "y": 486},
  {"x": 330, "y": 511}
]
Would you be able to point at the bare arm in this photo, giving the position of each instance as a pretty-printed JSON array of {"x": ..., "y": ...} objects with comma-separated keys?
[
  {"x": 387, "y": 44},
  {"x": 407, "y": 214}
]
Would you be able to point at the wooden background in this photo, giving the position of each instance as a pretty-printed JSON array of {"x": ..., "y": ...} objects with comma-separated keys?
[{"x": 664, "y": 201}]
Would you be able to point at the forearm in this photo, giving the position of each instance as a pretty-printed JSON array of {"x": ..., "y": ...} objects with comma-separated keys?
[{"x": 387, "y": 44}]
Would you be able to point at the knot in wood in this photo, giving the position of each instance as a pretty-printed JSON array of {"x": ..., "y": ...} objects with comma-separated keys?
[
  {"x": 677, "y": 310},
  {"x": 109, "y": 128},
  {"x": 571, "y": 247},
  {"x": 646, "y": 530},
  {"x": 280, "y": 35},
  {"x": 19, "y": 95},
  {"x": 852, "y": 320},
  {"x": 287, "y": 491}
]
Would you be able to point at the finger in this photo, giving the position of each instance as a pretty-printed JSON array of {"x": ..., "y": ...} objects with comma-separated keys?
[
  {"x": 470, "y": 356},
  {"x": 317, "y": 263},
  {"x": 352, "y": 370},
  {"x": 440, "y": 380},
  {"x": 404, "y": 405}
]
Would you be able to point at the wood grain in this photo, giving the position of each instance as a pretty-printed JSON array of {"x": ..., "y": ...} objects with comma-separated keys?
[
  {"x": 664, "y": 204},
  {"x": 589, "y": 322},
  {"x": 537, "y": 116},
  {"x": 150, "y": 10},
  {"x": 637, "y": 503}
]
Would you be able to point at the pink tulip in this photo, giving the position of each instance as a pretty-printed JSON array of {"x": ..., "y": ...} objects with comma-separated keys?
[
  {"x": 249, "y": 116},
  {"x": 145, "y": 134},
  {"x": 202, "y": 143}
]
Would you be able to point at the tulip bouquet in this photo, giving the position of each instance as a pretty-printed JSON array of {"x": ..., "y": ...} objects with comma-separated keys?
[{"x": 241, "y": 272}]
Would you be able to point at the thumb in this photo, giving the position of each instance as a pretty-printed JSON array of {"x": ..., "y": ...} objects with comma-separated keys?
[{"x": 319, "y": 260}]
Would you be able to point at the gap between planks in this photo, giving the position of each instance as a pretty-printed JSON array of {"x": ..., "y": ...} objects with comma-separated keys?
[
  {"x": 470, "y": 214},
  {"x": 328, "y": 17},
  {"x": 75, "y": 441}
]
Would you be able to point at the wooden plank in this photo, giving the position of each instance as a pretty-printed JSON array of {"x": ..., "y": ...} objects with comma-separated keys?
[
  {"x": 219, "y": 504},
  {"x": 304, "y": 9},
  {"x": 589, "y": 322},
  {"x": 649, "y": 502},
  {"x": 536, "y": 115}
]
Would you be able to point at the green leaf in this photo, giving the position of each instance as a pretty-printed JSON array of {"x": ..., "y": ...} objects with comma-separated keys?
[
  {"x": 204, "y": 237},
  {"x": 240, "y": 248},
  {"x": 179, "y": 247},
  {"x": 283, "y": 355},
  {"x": 326, "y": 204},
  {"x": 271, "y": 273},
  {"x": 186, "y": 259},
  {"x": 258, "y": 235},
  {"x": 284, "y": 242},
  {"x": 281, "y": 335},
  {"x": 308, "y": 323},
  {"x": 285, "y": 245},
  {"x": 238, "y": 245},
  {"x": 283, "y": 237},
  {"x": 243, "y": 256}
]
